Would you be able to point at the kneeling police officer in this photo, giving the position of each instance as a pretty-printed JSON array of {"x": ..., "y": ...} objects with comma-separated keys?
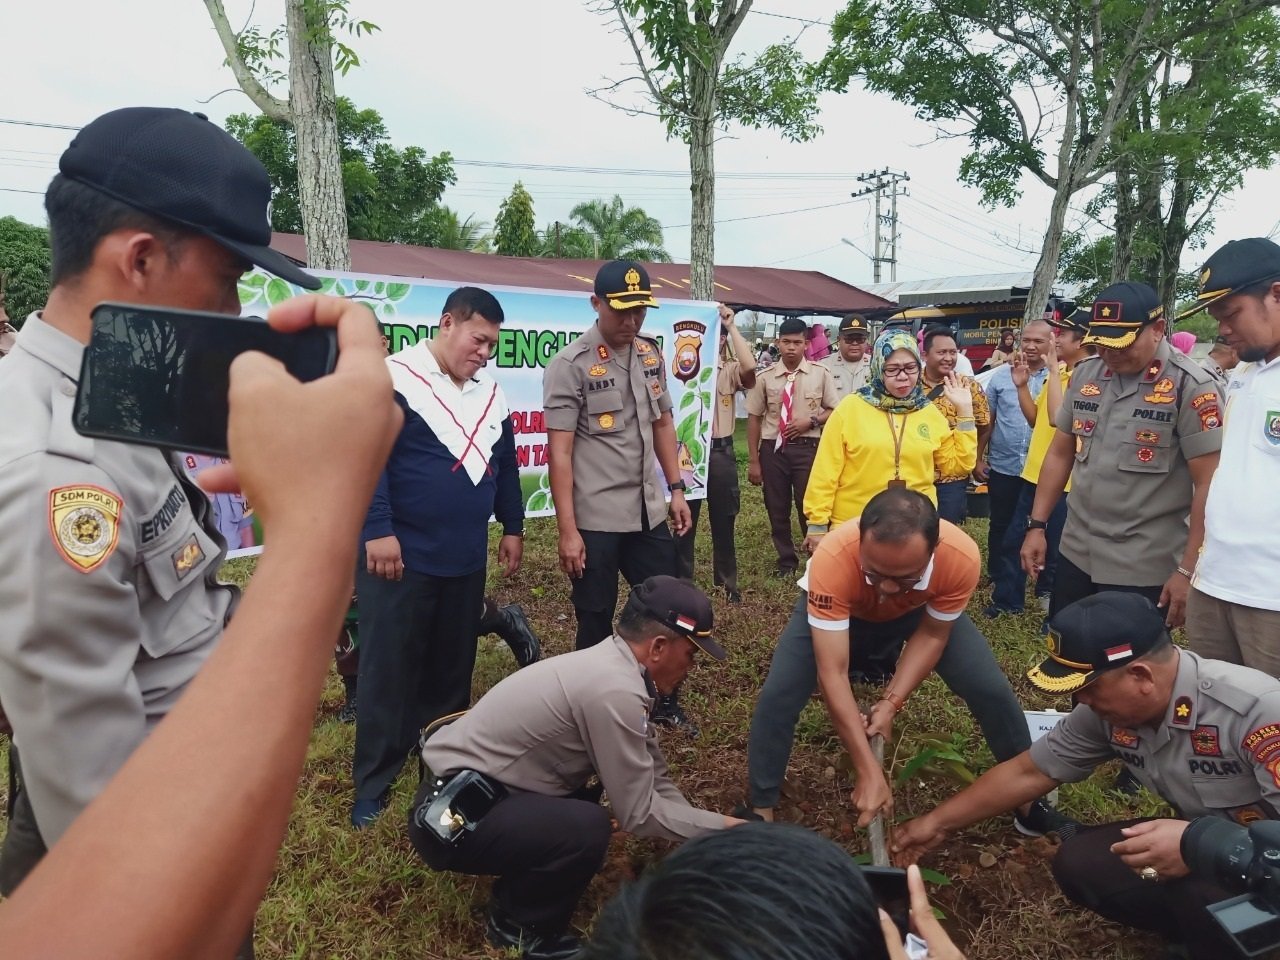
[
  {"x": 1203, "y": 734},
  {"x": 505, "y": 790}
]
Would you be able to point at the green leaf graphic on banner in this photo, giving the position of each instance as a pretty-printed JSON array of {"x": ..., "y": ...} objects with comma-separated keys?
[
  {"x": 705, "y": 376},
  {"x": 398, "y": 291},
  {"x": 378, "y": 288},
  {"x": 688, "y": 400},
  {"x": 278, "y": 291},
  {"x": 361, "y": 286}
]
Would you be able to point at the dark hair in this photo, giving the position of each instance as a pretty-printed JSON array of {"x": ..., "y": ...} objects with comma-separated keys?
[
  {"x": 466, "y": 302},
  {"x": 1260, "y": 288},
  {"x": 635, "y": 623},
  {"x": 791, "y": 326},
  {"x": 758, "y": 891},
  {"x": 933, "y": 333},
  {"x": 80, "y": 216},
  {"x": 897, "y": 514}
]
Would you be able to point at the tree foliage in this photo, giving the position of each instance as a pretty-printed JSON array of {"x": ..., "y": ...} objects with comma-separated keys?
[
  {"x": 514, "y": 234},
  {"x": 452, "y": 232},
  {"x": 24, "y": 268},
  {"x": 391, "y": 195},
  {"x": 1043, "y": 87},
  {"x": 618, "y": 232},
  {"x": 680, "y": 49}
]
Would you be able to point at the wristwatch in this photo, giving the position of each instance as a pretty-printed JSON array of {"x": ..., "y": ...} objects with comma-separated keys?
[
  {"x": 678, "y": 485},
  {"x": 1034, "y": 524}
]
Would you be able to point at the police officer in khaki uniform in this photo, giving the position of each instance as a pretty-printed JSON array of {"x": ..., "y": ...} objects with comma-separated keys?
[
  {"x": 109, "y": 554},
  {"x": 1139, "y": 432},
  {"x": 535, "y": 740},
  {"x": 1203, "y": 734},
  {"x": 785, "y": 412},
  {"x": 723, "y": 498},
  {"x": 608, "y": 414},
  {"x": 850, "y": 366}
]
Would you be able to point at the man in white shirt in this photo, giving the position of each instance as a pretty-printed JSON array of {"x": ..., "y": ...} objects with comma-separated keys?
[{"x": 1233, "y": 609}]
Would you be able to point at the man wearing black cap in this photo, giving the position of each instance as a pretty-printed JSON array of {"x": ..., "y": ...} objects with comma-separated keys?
[
  {"x": 608, "y": 415},
  {"x": 532, "y": 743},
  {"x": 850, "y": 366},
  {"x": 736, "y": 371},
  {"x": 1203, "y": 734},
  {"x": 102, "y": 635},
  {"x": 1233, "y": 612},
  {"x": 1138, "y": 436}
]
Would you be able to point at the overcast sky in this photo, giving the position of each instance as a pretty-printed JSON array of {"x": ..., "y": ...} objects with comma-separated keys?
[{"x": 504, "y": 81}]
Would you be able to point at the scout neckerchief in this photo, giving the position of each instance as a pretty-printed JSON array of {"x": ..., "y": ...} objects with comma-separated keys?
[
  {"x": 784, "y": 413},
  {"x": 471, "y": 446}
]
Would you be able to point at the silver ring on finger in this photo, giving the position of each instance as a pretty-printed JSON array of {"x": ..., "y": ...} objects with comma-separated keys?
[{"x": 1150, "y": 873}]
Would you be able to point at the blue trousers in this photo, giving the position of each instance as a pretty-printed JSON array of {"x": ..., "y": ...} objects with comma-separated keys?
[
  {"x": 1008, "y": 581},
  {"x": 967, "y": 666}
]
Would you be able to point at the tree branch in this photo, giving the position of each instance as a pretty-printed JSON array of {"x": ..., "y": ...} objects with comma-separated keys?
[
  {"x": 264, "y": 100},
  {"x": 661, "y": 99}
]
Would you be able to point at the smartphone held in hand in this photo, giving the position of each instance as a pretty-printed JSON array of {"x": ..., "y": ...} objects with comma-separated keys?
[{"x": 159, "y": 376}]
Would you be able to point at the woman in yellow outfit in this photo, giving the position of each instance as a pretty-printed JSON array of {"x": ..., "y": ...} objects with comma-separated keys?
[{"x": 888, "y": 433}]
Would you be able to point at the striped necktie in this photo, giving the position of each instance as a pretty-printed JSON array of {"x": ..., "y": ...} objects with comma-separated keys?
[{"x": 784, "y": 415}]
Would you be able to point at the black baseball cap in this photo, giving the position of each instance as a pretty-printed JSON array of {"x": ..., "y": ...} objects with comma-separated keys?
[
  {"x": 681, "y": 606},
  {"x": 1120, "y": 312},
  {"x": 1102, "y": 632},
  {"x": 1234, "y": 267},
  {"x": 854, "y": 323},
  {"x": 181, "y": 168},
  {"x": 624, "y": 284},
  {"x": 1077, "y": 320}
]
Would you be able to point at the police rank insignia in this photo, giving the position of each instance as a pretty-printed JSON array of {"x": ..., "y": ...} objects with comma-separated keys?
[
  {"x": 1182, "y": 711},
  {"x": 1090, "y": 390},
  {"x": 85, "y": 524},
  {"x": 686, "y": 357},
  {"x": 1147, "y": 436},
  {"x": 642, "y": 346},
  {"x": 1124, "y": 738},
  {"x": 187, "y": 557},
  {"x": 1164, "y": 386}
]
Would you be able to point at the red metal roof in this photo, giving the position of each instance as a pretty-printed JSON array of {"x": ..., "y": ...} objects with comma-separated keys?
[{"x": 755, "y": 288}]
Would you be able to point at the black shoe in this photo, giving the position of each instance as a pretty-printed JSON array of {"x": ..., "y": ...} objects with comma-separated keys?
[
  {"x": 732, "y": 595},
  {"x": 1042, "y": 818},
  {"x": 348, "y": 712},
  {"x": 785, "y": 573},
  {"x": 512, "y": 625},
  {"x": 507, "y": 935},
  {"x": 668, "y": 713},
  {"x": 993, "y": 611},
  {"x": 1127, "y": 783}
]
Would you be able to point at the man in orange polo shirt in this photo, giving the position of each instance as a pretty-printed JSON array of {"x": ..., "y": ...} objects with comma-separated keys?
[{"x": 886, "y": 597}]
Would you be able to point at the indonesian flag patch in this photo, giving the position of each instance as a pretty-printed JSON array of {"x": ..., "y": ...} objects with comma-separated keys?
[{"x": 1122, "y": 652}]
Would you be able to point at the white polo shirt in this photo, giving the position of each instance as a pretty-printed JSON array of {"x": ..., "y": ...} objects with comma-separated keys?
[{"x": 1241, "y": 551}]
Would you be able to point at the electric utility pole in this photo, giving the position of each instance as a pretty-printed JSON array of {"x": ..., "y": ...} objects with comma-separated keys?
[{"x": 885, "y": 184}]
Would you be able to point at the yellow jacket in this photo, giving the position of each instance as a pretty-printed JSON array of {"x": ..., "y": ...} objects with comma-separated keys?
[{"x": 855, "y": 458}]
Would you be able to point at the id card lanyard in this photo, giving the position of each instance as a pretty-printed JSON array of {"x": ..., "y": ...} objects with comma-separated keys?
[{"x": 898, "y": 435}]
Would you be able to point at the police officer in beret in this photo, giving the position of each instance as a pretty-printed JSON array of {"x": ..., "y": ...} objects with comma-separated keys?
[
  {"x": 506, "y": 792},
  {"x": 1139, "y": 432},
  {"x": 108, "y": 553},
  {"x": 608, "y": 415},
  {"x": 1202, "y": 734},
  {"x": 850, "y": 365}
]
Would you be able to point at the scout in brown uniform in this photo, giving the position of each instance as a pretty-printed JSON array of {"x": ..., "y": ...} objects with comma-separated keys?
[
  {"x": 533, "y": 742},
  {"x": 785, "y": 413},
  {"x": 850, "y": 365},
  {"x": 608, "y": 414},
  {"x": 1139, "y": 432},
  {"x": 1202, "y": 734},
  {"x": 723, "y": 499}
]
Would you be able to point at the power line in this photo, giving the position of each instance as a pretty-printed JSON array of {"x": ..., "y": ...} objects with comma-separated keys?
[
  {"x": 811, "y": 253},
  {"x": 37, "y": 193},
  {"x": 762, "y": 216},
  {"x": 35, "y": 123},
  {"x": 783, "y": 16}
]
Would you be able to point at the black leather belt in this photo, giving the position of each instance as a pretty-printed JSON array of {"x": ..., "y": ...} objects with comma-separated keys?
[
  {"x": 800, "y": 442},
  {"x": 721, "y": 443}
]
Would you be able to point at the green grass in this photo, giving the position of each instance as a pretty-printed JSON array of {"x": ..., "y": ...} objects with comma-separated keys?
[{"x": 342, "y": 894}]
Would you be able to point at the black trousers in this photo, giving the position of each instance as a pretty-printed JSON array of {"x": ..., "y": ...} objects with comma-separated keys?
[
  {"x": 1070, "y": 584},
  {"x": 24, "y": 846},
  {"x": 784, "y": 474},
  {"x": 637, "y": 556},
  {"x": 1094, "y": 877},
  {"x": 417, "y": 652},
  {"x": 543, "y": 850},
  {"x": 723, "y": 502}
]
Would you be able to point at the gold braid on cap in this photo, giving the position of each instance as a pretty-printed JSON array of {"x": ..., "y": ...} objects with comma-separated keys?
[{"x": 1067, "y": 684}]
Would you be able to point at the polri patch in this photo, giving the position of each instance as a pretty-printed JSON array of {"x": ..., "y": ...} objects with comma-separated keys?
[
  {"x": 1271, "y": 427},
  {"x": 597, "y": 370},
  {"x": 1204, "y": 741},
  {"x": 1090, "y": 390},
  {"x": 84, "y": 522},
  {"x": 187, "y": 557},
  {"x": 1147, "y": 436}
]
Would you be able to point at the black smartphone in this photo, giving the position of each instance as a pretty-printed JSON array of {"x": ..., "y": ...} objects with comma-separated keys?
[
  {"x": 159, "y": 377},
  {"x": 889, "y": 887}
]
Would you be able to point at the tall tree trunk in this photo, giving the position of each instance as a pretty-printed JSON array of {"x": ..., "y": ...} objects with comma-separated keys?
[
  {"x": 702, "y": 170},
  {"x": 314, "y": 112}
]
